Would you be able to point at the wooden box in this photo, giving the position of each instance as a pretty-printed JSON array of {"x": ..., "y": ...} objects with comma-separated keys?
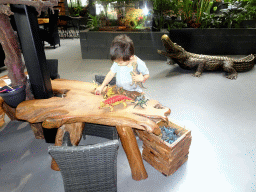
[{"x": 165, "y": 157}]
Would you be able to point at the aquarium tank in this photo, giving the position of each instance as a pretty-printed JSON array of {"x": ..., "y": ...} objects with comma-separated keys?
[{"x": 121, "y": 15}]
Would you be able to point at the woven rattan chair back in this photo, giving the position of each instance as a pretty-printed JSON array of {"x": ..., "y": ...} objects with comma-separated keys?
[
  {"x": 87, "y": 168},
  {"x": 108, "y": 132}
]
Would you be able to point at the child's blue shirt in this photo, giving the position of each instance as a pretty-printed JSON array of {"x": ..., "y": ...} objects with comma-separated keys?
[{"x": 123, "y": 75}]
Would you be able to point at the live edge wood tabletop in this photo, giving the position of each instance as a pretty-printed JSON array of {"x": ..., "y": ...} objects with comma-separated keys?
[{"x": 79, "y": 104}]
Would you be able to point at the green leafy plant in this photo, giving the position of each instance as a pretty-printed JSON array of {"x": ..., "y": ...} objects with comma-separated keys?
[
  {"x": 233, "y": 15},
  {"x": 197, "y": 14},
  {"x": 202, "y": 6},
  {"x": 93, "y": 22},
  {"x": 76, "y": 9},
  {"x": 250, "y": 10},
  {"x": 176, "y": 25},
  {"x": 211, "y": 21},
  {"x": 191, "y": 12},
  {"x": 161, "y": 9},
  {"x": 161, "y": 6},
  {"x": 159, "y": 23}
]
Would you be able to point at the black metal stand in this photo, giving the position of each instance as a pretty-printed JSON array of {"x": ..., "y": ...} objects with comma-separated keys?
[
  {"x": 33, "y": 50},
  {"x": 2, "y": 56}
]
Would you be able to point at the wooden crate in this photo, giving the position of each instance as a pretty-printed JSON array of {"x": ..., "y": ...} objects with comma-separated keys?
[{"x": 165, "y": 157}]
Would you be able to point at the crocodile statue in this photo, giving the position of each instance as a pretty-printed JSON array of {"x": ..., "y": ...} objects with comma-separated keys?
[{"x": 187, "y": 60}]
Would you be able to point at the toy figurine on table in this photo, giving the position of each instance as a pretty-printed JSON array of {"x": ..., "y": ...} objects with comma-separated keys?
[{"x": 130, "y": 71}]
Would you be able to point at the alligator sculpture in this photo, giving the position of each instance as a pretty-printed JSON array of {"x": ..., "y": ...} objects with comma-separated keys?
[{"x": 187, "y": 60}]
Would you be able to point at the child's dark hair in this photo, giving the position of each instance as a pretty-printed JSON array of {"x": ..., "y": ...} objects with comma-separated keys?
[{"x": 121, "y": 47}]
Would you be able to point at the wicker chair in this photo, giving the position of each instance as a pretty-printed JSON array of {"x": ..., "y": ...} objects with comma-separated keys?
[
  {"x": 104, "y": 131},
  {"x": 87, "y": 168},
  {"x": 100, "y": 78}
]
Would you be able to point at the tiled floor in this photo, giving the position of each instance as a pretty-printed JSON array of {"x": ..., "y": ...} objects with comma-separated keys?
[{"x": 220, "y": 113}]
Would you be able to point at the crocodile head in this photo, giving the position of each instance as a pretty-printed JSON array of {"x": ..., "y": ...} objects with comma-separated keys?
[{"x": 170, "y": 47}]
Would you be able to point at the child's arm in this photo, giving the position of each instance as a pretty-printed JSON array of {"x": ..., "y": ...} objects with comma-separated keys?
[
  {"x": 106, "y": 81},
  {"x": 142, "y": 69},
  {"x": 145, "y": 78}
]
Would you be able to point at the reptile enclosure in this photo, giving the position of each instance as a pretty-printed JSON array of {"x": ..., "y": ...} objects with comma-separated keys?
[{"x": 216, "y": 41}]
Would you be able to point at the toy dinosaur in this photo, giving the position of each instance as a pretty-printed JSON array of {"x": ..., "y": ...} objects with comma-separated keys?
[
  {"x": 115, "y": 100},
  {"x": 134, "y": 72},
  {"x": 140, "y": 101},
  {"x": 109, "y": 92},
  {"x": 187, "y": 60}
]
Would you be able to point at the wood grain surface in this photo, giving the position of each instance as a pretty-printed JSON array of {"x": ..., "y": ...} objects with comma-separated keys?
[{"x": 80, "y": 104}]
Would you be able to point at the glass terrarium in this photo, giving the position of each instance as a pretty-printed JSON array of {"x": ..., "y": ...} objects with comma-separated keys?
[{"x": 122, "y": 15}]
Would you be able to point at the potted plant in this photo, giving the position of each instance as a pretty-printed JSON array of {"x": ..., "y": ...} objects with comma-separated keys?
[
  {"x": 199, "y": 29},
  {"x": 76, "y": 9},
  {"x": 250, "y": 14},
  {"x": 93, "y": 22},
  {"x": 161, "y": 9}
]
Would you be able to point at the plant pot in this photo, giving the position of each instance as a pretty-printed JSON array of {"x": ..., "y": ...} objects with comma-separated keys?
[
  {"x": 96, "y": 44},
  {"x": 216, "y": 41},
  {"x": 248, "y": 24},
  {"x": 14, "y": 98}
]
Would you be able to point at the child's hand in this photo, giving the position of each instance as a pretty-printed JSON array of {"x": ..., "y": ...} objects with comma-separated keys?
[
  {"x": 98, "y": 90},
  {"x": 138, "y": 77}
]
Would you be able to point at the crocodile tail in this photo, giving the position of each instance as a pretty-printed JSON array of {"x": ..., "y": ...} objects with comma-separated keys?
[{"x": 244, "y": 64}]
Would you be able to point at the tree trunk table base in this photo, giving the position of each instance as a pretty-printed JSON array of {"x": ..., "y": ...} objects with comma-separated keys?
[
  {"x": 37, "y": 130},
  {"x": 132, "y": 151}
]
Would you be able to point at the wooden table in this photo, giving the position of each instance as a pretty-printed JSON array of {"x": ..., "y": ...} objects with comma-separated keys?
[{"x": 80, "y": 105}]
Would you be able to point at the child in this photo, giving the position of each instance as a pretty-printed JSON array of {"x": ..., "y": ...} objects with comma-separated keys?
[{"x": 122, "y": 53}]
